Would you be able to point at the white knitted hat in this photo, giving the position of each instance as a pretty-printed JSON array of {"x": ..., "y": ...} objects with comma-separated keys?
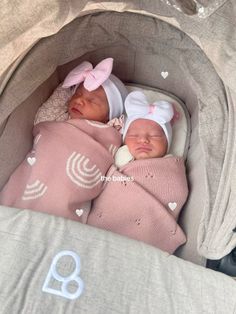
[
  {"x": 137, "y": 107},
  {"x": 116, "y": 93}
]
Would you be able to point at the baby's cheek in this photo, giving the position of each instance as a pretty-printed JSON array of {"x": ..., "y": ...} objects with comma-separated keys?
[
  {"x": 106, "y": 109},
  {"x": 69, "y": 103},
  {"x": 131, "y": 147}
]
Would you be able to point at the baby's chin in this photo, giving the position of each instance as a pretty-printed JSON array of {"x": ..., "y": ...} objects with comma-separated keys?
[
  {"x": 146, "y": 155},
  {"x": 76, "y": 115}
]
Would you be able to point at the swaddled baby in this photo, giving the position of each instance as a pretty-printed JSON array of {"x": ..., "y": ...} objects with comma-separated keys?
[
  {"x": 145, "y": 191},
  {"x": 64, "y": 168}
]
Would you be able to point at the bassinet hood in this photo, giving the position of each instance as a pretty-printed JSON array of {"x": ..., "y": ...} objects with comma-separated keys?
[{"x": 210, "y": 24}]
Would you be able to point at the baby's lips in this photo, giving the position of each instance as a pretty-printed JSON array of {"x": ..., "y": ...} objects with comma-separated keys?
[
  {"x": 75, "y": 110},
  {"x": 143, "y": 148}
]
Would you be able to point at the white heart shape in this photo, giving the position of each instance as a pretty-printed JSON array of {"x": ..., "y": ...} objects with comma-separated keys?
[
  {"x": 172, "y": 206},
  {"x": 79, "y": 212},
  {"x": 164, "y": 74},
  {"x": 31, "y": 160}
]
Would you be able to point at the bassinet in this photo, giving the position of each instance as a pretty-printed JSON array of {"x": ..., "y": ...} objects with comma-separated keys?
[{"x": 116, "y": 274}]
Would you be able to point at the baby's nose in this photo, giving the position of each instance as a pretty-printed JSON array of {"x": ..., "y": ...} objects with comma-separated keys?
[
  {"x": 79, "y": 101},
  {"x": 143, "y": 139}
]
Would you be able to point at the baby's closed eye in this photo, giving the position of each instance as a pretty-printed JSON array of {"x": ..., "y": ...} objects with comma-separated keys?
[
  {"x": 132, "y": 135},
  {"x": 156, "y": 135},
  {"x": 93, "y": 100}
]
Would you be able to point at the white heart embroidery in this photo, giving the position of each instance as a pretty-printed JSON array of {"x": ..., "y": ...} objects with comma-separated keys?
[
  {"x": 172, "y": 206},
  {"x": 164, "y": 74},
  {"x": 31, "y": 160},
  {"x": 79, "y": 212}
]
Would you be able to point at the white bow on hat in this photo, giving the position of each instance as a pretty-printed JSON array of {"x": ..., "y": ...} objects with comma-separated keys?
[{"x": 138, "y": 107}]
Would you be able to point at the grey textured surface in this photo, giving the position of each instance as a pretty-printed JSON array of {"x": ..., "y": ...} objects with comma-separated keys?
[{"x": 119, "y": 275}]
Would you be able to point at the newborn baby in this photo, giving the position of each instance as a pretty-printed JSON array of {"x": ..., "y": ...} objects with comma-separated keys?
[
  {"x": 101, "y": 95},
  {"x": 70, "y": 99},
  {"x": 64, "y": 168},
  {"x": 145, "y": 191}
]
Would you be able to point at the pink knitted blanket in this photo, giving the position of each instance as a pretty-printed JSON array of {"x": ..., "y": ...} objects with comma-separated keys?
[
  {"x": 143, "y": 201},
  {"x": 64, "y": 167}
]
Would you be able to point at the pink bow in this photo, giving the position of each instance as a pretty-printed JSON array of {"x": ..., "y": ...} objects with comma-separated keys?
[
  {"x": 176, "y": 116},
  {"x": 92, "y": 77},
  {"x": 151, "y": 108}
]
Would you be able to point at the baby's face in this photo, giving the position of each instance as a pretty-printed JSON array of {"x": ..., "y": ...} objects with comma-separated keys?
[
  {"x": 146, "y": 139},
  {"x": 89, "y": 105}
]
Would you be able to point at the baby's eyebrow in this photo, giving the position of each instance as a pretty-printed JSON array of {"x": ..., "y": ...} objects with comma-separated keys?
[{"x": 157, "y": 132}]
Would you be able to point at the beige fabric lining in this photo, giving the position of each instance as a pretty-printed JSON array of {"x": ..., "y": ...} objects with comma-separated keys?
[{"x": 214, "y": 33}]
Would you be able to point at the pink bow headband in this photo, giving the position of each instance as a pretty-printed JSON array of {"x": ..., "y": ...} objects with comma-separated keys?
[
  {"x": 99, "y": 76},
  {"x": 137, "y": 107},
  {"x": 92, "y": 77}
]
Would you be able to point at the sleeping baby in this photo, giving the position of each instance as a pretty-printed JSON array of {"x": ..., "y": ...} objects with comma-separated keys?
[
  {"x": 64, "y": 168},
  {"x": 146, "y": 189}
]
